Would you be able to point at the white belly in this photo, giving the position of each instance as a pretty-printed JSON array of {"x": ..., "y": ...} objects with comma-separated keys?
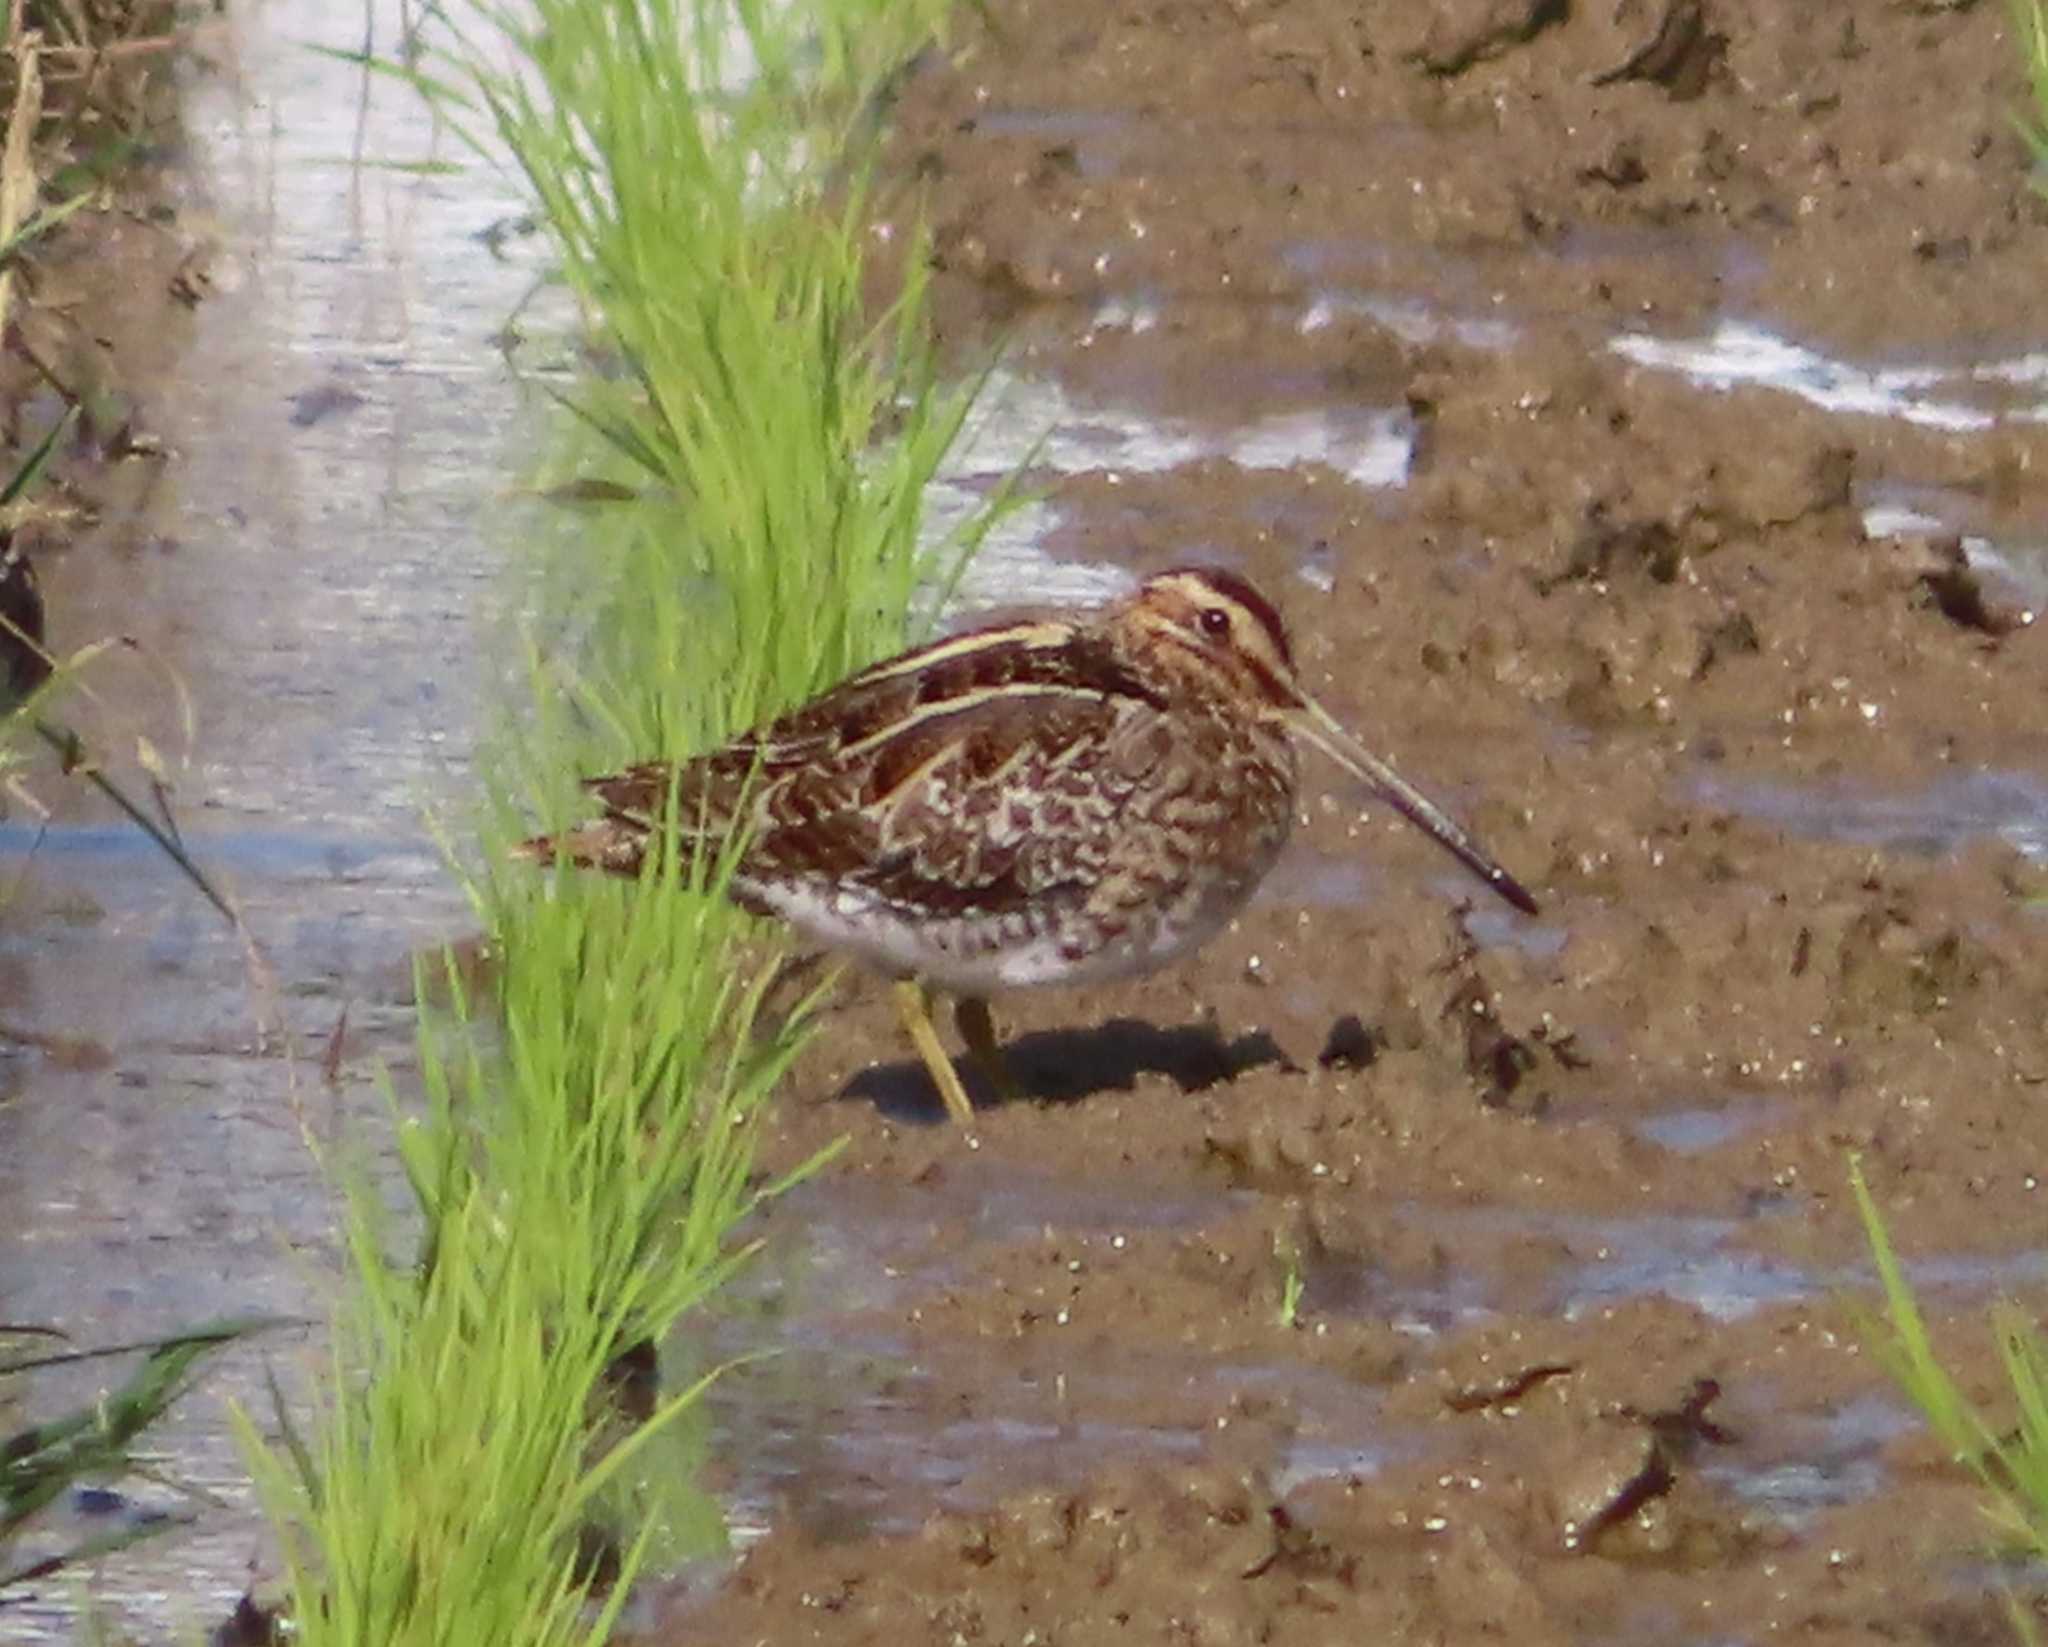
[{"x": 980, "y": 954}]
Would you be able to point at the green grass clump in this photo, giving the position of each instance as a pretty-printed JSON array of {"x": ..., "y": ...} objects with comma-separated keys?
[
  {"x": 2011, "y": 1464},
  {"x": 715, "y": 228},
  {"x": 586, "y": 1153},
  {"x": 580, "y": 1186}
]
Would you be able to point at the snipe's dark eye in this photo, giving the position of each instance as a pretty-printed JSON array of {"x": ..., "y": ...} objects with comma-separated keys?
[{"x": 1215, "y": 621}]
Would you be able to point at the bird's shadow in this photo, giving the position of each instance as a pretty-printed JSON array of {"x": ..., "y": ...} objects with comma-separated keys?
[{"x": 1064, "y": 1066}]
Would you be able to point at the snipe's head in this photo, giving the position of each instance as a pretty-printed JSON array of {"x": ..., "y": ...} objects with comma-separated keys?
[{"x": 1210, "y": 634}]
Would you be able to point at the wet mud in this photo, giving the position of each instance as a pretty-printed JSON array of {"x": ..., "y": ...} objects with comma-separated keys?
[{"x": 1632, "y": 408}]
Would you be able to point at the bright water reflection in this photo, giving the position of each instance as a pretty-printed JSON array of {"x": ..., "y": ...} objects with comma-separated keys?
[{"x": 322, "y": 606}]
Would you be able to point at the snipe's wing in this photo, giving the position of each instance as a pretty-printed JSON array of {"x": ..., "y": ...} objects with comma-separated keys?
[{"x": 973, "y": 776}]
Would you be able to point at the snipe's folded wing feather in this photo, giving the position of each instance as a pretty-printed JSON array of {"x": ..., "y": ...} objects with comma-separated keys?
[
  {"x": 995, "y": 804},
  {"x": 978, "y": 777},
  {"x": 637, "y": 795},
  {"x": 974, "y": 776}
]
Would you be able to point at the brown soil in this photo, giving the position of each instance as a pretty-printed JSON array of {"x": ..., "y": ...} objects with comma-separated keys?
[
  {"x": 1608, "y": 607},
  {"x": 102, "y": 311}
]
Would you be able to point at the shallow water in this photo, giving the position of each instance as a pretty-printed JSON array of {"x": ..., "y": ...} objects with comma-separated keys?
[
  {"x": 1034, "y": 427},
  {"x": 1957, "y": 808},
  {"x": 323, "y": 593},
  {"x": 1738, "y": 354}
]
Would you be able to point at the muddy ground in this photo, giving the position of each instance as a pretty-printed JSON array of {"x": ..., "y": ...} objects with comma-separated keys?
[{"x": 1566, "y": 1198}]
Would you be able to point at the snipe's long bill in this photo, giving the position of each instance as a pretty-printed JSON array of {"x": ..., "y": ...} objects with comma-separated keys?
[{"x": 1056, "y": 802}]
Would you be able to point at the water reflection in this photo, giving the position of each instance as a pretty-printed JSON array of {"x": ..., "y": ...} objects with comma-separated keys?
[
  {"x": 1944, "y": 814},
  {"x": 1962, "y": 399},
  {"x": 321, "y": 589}
]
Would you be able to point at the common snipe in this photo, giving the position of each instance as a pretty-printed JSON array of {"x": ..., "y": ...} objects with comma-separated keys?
[{"x": 1056, "y": 802}]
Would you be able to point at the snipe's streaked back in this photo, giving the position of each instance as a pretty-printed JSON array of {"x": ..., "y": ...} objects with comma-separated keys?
[{"x": 1049, "y": 802}]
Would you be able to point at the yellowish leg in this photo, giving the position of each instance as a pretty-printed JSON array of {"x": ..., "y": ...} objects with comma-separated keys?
[
  {"x": 978, "y": 1030},
  {"x": 914, "y": 1006}
]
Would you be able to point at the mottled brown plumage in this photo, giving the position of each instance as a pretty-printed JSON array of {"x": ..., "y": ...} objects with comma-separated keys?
[{"x": 1045, "y": 802}]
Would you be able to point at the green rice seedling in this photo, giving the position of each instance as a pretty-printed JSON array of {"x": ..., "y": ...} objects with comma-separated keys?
[
  {"x": 444, "y": 1491},
  {"x": 1293, "y": 1284},
  {"x": 585, "y": 1159},
  {"x": 1291, "y": 1290},
  {"x": 2011, "y": 1464},
  {"x": 776, "y": 438}
]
